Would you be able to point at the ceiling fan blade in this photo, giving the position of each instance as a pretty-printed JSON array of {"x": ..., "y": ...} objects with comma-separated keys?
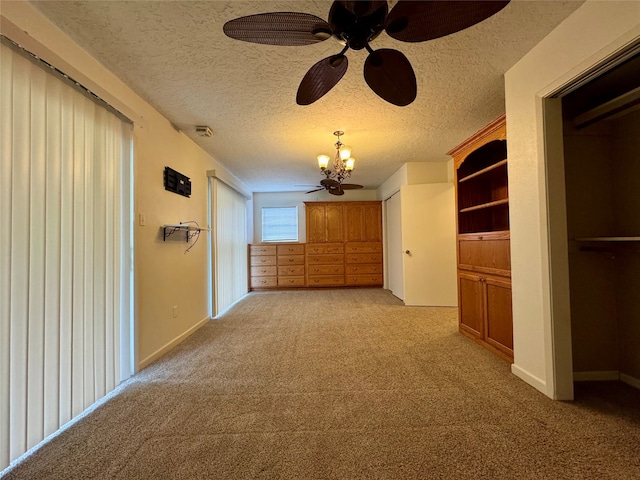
[
  {"x": 329, "y": 183},
  {"x": 351, "y": 186},
  {"x": 336, "y": 191},
  {"x": 316, "y": 190},
  {"x": 321, "y": 78},
  {"x": 279, "y": 28},
  {"x": 418, "y": 21},
  {"x": 391, "y": 77}
]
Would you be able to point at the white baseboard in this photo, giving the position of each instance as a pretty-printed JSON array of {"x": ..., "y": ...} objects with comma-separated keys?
[
  {"x": 606, "y": 377},
  {"x": 598, "y": 376},
  {"x": 629, "y": 380},
  {"x": 161, "y": 351}
]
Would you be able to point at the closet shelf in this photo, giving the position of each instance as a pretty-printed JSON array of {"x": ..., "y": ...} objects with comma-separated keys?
[
  {"x": 495, "y": 203},
  {"x": 483, "y": 171}
]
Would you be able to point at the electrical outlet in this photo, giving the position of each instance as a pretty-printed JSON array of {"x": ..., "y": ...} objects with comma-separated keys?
[
  {"x": 142, "y": 219},
  {"x": 175, "y": 311}
]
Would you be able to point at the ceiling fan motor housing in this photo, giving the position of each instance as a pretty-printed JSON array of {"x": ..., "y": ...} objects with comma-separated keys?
[{"x": 355, "y": 24}]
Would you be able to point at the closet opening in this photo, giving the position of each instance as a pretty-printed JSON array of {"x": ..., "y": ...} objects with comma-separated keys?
[{"x": 601, "y": 147}]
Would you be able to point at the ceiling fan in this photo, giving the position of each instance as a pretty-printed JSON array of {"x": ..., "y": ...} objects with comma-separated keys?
[
  {"x": 334, "y": 187},
  {"x": 355, "y": 24}
]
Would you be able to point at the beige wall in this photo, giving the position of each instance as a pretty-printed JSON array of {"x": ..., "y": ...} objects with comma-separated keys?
[
  {"x": 164, "y": 275},
  {"x": 542, "y": 343}
]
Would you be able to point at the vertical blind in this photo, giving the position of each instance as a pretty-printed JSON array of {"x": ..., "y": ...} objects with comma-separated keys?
[
  {"x": 65, "y": 252},
  {"x": 230, "y": 246}
]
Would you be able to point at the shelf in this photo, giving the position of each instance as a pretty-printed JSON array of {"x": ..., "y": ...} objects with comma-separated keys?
[
  {"x": 607, "y": 239},
  {"x": 483, "y": 171},
  {"x": 189, "y": 230},
  {"x": 495, "y": 203}
]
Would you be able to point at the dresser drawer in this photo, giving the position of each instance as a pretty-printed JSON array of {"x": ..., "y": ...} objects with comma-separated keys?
[
  {"x": 262, "y": 249},
  {"x": 325, "y": 280},
  {"x": 325, "y": 270},
  {"x": 364, "y": 280},
  {"x": 364, "y": 258},
  {"x": 324, "y": 248},
  {"x": 363, "y": 247},
  {"x": 325, "y": 259},
  {"x": 259, "y": 260},
  {"x": 290, "y": 260},
  {"x": 263, "y": 271},
  {"x": 363, "y": 269},
  {"x": 291, "y": 281},
  {"x": 291, "y": 249},
  {"x": 292, "y": 270},
  {"x": 263, "y": 282}
]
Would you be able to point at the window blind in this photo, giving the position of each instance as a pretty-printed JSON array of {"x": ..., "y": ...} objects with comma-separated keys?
[
  {"x": 230, "y": 246},
  {"x": 65, "y": 252},
  {"x": 280, "y": 224}
]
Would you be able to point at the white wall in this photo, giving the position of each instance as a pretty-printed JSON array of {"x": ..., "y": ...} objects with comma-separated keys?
[
  {"x": 164, "y": 275},
  {"x": 594, "y": 32},
  {"x": 297, "y": 199},
  {"x": 416, "y": 173}
]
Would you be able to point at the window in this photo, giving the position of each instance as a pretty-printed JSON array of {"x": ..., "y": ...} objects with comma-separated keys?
[{"x": 280, "y": 224}]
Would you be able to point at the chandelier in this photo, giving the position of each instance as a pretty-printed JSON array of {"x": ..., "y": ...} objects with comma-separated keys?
[{"x": 343, "y": 162}]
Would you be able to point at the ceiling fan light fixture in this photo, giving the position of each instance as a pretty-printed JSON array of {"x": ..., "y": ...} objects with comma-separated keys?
[
  {"x": 323, "y": 161},
  {"x": 349, "y": 164},
  {"x": 345, "y": 153}
]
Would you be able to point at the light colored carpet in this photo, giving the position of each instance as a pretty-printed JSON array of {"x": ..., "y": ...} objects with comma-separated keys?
[{"x": 342, "y": 385}]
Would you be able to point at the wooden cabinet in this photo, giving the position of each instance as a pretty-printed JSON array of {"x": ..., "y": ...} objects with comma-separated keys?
[
  {"x": 485, "y": 310},
  {"x": 483, "y": 239},
  {"x": 362, "y": 221},
  {"x": 331, "y": 222},
  {"x": 324, "y": 222},
  {"x": 273, "y": 266},
  {"x": 325, "y": 264},
  {"x": 363, "y": 264}
]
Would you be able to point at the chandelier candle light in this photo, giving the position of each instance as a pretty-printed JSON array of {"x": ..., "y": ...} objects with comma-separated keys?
[{"x": 343, "y": 164}]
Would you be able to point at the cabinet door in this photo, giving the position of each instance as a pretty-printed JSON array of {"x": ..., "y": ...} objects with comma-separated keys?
[
  {"x": 316, "y": 224},
  {"x": 471, "y": 303},
  {"x": 354, "y": 228},
  {"x": 372, "y": 219},
  {"x": 333, "y": 219},
  {"x": 499, "y": 318}
]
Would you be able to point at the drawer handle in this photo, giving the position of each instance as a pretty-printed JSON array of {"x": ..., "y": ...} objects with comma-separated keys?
[{"x": 291, "y": 260}]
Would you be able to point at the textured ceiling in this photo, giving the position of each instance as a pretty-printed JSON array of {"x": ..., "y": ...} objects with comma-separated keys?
[{"x": 175, "y": 56}]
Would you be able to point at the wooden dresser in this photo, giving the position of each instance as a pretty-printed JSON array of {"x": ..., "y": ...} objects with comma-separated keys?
[
  {"x": 363, "y": 263},
  {"x": 263, "y": 270},
  {"x": 290, "y": 265},
  {"x": 484, "y": 261},
  {"x": 276, "y": 265},
  {"x": 325, "y": 264}
]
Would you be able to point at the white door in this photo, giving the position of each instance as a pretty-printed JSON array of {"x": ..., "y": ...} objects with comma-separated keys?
[
  {"x": 393, "y": 224},
  {"x": 429, "y": 237}
]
